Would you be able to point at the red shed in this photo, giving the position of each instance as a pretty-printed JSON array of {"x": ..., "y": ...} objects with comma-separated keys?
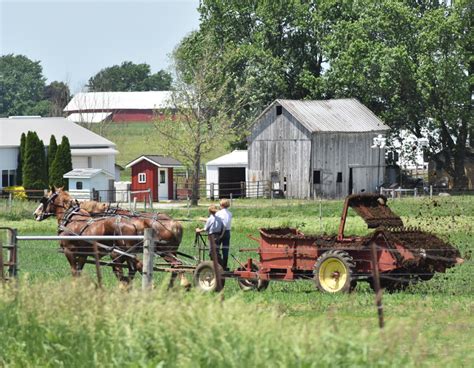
[{"x": 154, "y": 172}]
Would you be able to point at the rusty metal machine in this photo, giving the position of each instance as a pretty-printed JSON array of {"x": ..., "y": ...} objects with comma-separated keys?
[{"x": 337, "y": 263}]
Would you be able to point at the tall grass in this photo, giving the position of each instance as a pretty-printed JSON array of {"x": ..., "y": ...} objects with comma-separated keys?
[{"x": 74, "y": 325}]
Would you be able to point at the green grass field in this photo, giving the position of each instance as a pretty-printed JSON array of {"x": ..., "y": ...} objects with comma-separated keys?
[
  {"x": 53, "y": 321},
  {"x": 136, "y": 139}
]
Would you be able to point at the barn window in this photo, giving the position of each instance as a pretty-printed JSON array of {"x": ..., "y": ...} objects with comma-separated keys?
[
  {"x": 78, "y": 184},
  {"x": 339, "y": 177},
  {"x": 316, "y": 177},
  {"x": 279, "y": 110},
  {"x": 162, "y": 176},
  {"x": 142, "y": 178}
]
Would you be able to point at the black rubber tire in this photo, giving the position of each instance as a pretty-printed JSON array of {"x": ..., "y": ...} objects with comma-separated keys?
[
  {"x": 204, "y": 277},
  {"x": 263, "y": 285},
  {"x": 348, "y": 265}
]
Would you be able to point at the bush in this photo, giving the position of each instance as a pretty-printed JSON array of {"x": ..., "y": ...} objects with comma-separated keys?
[{"x": 18, "y": 192}]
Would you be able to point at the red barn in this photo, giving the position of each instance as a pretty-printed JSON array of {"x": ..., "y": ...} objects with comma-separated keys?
[
  {"x": 154, "y": 172},
  {"x": 96, "y": 107}
]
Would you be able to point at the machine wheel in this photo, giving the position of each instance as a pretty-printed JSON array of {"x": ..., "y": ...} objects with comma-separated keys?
[
  {"x": 333, "y": 272},
  {"x": 262, "y": 285},
  {"x": 204, "y": 278},
  {"x": 248, "y": 285}
]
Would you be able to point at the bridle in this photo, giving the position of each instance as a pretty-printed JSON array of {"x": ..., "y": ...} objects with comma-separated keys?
[{"x": 46, "y": 202}]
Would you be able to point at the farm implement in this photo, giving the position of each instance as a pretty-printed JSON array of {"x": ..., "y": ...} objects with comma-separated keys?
[{"x": 337, "y": 263}]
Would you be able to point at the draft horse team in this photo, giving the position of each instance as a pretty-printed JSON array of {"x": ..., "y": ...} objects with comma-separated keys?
[{"x": 91, "y": 218}]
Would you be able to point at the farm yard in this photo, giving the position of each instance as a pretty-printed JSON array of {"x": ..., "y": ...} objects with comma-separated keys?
[{"x": 289, "y": 324}]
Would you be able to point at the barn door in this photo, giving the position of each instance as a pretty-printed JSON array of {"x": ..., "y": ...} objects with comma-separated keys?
[{"x": 358, "y": 180}]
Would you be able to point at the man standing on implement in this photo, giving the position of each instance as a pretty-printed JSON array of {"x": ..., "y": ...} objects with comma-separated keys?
[{"x": 223, "y": 244}]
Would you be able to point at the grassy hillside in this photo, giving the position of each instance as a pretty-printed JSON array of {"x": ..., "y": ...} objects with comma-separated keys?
[
  {"x": 136, "y": 139},
  {"x": 51, "y": 321}
]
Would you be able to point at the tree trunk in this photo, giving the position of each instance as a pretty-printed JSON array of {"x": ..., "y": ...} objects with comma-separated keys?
[
  {"x": 196, "y": 176},
  {"x": 459, "y": 178}
]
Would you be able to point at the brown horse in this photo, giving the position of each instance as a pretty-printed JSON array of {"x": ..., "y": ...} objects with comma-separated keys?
[
  {"x": 168, "y": 232},
  {"x": 73, "y": 220}
]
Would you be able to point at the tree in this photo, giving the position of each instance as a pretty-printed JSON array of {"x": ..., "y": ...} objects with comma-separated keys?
[
  {"x": 409, "y": 64},
  {"x": 58, "y": 95},
  {"x": 21, "y": 84},
  {"x": 195, "y": 127},
  {"x": 61, "y": 164},
  {"x": 268, "y": 49},
  {"x": 21, "y": 157},
  {"x": 129, "y": 77},
  {"x": 34, "y": 168},
  {"x": 52, "y": 149}
]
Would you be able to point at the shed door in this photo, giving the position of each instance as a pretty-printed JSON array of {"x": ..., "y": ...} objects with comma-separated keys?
[
  {"x": 231, "y": 180},
  {"x": 163, "y": 184}
]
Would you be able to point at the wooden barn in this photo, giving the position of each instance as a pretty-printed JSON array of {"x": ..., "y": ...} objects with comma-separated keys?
[
  {"x": 154, "y": 172},
  {"x": 317, "y": 148}
]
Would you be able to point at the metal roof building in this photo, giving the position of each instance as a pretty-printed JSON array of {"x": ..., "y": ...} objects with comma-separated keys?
[
  {"x": 224, "y": 172},
  {"x": 88, "y": 149},
  {"x": 317, "y": 148},
  {"x": 95, "y": 107}
]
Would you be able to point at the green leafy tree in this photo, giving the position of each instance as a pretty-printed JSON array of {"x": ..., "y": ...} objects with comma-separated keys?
[
  {"x": 58, "y": 95},
  {"x": 34, "y": 164},
  {"x": 61, "y": 164},
  {"x": 269, "y": 49},
  {"x": 129, "y": 77},
  {"x": 52, "y": 148},
  {"x": 21, "y": 156},
  {"x": 21, "y": 84},
  {"x": 409, "y": 63}
]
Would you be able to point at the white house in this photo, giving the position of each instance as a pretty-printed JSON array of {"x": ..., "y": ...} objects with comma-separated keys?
[
  {"x": 88, "y": 150},
  {"x": 224, "y": 174},
  {"x": 83, "y": 182}
]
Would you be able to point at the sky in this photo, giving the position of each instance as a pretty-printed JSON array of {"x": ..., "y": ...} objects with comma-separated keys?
[{"x": 74, "y": 39}]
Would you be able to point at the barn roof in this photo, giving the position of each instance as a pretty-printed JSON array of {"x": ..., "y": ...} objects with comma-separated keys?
[
  {"x": 337, "y": 115},
  {"x": 88, "y": 117},
  {"x": 11, "y": 129},
  {"x": 148, "y": 100},
  {"x": 157, "y": 160},
  {"x": 235, "y": 158}
]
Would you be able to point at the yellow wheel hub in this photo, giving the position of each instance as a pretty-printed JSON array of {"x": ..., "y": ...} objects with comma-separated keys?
[{"x": 332, "y": 275}]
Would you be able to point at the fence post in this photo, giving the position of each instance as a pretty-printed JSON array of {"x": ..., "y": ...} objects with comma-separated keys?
[
  {"x": 175, "y": 191},
  {"x": 2, "y": 274},
  {"x": 231, "y": 199},
  {"x": 258, "y": 188},
  {"x": 97, "y": 264},
  {"x": 12, "y": 253},
  {"x": 148, "y": 259},
  {"x": 134, "y": 203},
  {"x": 415, "y": 192},
  {"x": 150, "y": 199},
  {"x": 211, "y": 191},
  {"x": 10, "y": 199},
  {"x": 431, "y": 192},
  {"x": 376, "y": 281}
]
